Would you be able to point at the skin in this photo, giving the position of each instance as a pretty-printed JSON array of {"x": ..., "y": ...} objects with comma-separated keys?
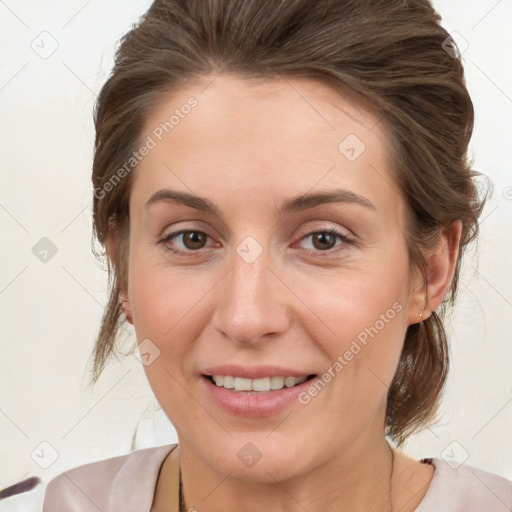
[{"x": 248, "y": 146}]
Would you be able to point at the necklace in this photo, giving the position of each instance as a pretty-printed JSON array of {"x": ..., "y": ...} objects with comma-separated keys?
[{"x": 182, "y": 505}]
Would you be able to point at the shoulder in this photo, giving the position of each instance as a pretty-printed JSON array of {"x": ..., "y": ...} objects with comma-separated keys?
[
  {"x": 103, "y": 485},
  {"x": 465, "y": 488}
]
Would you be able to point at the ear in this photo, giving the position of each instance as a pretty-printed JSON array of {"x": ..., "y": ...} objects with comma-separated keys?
[
  {"x": 110, "y": 244},
  {"x": 127, "y": 308},
  {"x": 441, "y": 267}
]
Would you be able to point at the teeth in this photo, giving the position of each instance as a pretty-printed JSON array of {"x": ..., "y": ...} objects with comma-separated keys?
[
  {"x": 229, "y": 382},
  {"x": 289, "y": 382},
  {"x": 260, "y": 384},
  {"x": 276, "y": 382},
  {"x": 264, "y": 384},
  {"x": 243, "y": 384}
]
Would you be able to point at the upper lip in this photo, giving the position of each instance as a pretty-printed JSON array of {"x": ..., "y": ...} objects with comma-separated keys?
[{"x": 255, "y": 372}]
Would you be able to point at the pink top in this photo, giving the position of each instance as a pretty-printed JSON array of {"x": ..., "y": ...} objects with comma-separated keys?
[{"x": 127, "y": 483}]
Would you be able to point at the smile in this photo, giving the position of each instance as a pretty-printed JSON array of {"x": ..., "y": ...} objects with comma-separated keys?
[
  {"x": 242, "y": 384},
  {"x": 254, "y": 398}
]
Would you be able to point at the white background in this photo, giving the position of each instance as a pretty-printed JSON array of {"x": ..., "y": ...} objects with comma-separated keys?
[{"x": 50, "y": 312}]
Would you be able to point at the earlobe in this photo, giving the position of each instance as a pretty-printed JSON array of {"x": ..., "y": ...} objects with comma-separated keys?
[
  {"x": 441, "y": 267},
  {"x": 125, "y": 303},
  {"x": 123, "y": 297}
]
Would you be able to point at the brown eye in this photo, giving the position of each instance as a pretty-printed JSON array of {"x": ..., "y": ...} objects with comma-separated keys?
[
  {"x": 192, "y": 241},
  {"x": 324, "y": 240}
]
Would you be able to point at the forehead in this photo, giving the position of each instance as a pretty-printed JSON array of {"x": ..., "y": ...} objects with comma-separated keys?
[
  {"x": 264, "y": 136},
  {"x": 260, "y": 106}
]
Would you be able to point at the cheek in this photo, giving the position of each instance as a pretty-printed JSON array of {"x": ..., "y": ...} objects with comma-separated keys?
[
  {"x": 363, "y": 313},
  {"x": 358, "y": 304},
  {"x": 160, "y": 297},
  {"x": 370, "y": 329},
  {"x": 170, "y": 309}
]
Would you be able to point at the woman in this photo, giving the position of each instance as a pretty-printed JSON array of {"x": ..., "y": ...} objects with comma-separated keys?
[{"x": 317, "y": 151}]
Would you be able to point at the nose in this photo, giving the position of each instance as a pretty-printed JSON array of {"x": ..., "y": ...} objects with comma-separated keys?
[{"x": 252, "y": 301}]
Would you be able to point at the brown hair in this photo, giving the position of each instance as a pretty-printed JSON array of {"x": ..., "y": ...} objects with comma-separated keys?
[{"x": 389, "y": 53}]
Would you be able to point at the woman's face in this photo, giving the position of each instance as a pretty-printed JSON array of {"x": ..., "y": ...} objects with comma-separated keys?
[{"x": 263, "y": 290}]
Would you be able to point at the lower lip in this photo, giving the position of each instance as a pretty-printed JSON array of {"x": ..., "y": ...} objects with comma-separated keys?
[{"x": 257, "y": 405}]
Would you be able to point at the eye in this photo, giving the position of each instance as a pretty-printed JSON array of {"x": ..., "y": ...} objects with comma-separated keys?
[
  {"x": 193, "y": 241},
  {"x": 324, "y": 240}
]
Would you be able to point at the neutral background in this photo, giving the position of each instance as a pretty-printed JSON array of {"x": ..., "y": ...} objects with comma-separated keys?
[{"x": 51, "y": 302}]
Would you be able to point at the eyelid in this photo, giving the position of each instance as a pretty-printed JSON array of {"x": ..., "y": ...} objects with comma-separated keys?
[
  {"x": 326, "y": 228},
  {"x": 338, "y": 233},
  {"x": 164, "y": 240}
]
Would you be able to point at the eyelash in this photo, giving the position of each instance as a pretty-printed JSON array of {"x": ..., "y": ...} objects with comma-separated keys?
[{"x": 344, "y": 238}]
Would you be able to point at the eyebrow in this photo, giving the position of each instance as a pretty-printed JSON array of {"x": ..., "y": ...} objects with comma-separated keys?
[{"x": 294, "y": 204}]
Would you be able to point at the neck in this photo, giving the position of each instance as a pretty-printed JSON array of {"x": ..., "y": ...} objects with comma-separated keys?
[{"x": 363, "y": 484}]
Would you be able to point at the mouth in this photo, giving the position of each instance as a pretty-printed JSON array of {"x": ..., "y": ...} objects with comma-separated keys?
[
  {"x": 256, "y": 386},
  {"x": 256, "y": 392}
]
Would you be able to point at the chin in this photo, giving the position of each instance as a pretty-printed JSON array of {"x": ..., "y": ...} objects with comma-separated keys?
[{"x": 256, "y": 457}]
